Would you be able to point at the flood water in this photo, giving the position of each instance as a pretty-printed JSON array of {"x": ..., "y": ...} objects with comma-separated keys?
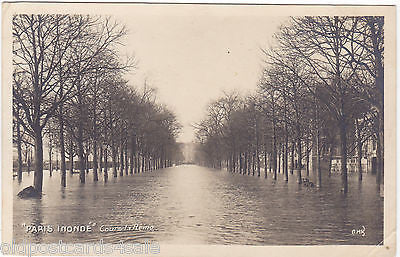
[{"x": 197, "y": 205}]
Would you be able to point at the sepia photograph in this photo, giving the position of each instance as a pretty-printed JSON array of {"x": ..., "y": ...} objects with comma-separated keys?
[{"x": 198, "y": 129}]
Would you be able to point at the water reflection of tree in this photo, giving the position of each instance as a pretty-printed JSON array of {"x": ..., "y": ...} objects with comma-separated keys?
[{"x": 37, "y": 219}]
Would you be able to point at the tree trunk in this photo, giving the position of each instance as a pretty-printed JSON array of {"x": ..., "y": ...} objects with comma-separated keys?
[
  {"x": 38, "y": 176},
  {"x": 253, "y": 163},
  {"x": 380, "y": 151},
  {"x": 249, "y": 163},
  {"x": 376, "y": 25},
  {"x": 57, "y": 163},
  {"x": 245, "y": 162},
  {"x": 19, "y": 148},
  {"x": 286, "y": 159},
  {"x": 292, "y": 159},
  {"x": 319, "y": 176},
  {"x": 87, "y": 164},
  {"x": 343, "y": 141},
  {"x": 132, "y": 163},
  {"x": 265, "y": 163},
  {"x": 279, "y": 161},
  {"x": 105, "y": 164},
  {"x": 62, "y": 152},
  {"x": 29, "y": 161},
  {"x": 270, "y": 162},
  {"x": 240, "y": 163},
  {"x": 233, "y": 162},
  {"x": 71, "y": 158},
  {"x": 307, "y": 159},
  {"x": 359, "y": 159},
  {"x": 82, "y": 175},
  {"x": 71, "y": 165},
  {"x": 274, "y": 155},
  {"x": 299, "y": 154},
  {"x": 137, "y": 163},
  {"x": 114, "y": 161},
  {"x": 100, "y": 157},
  {"x": 143, "y": 164},
  {"x": 50, "y": 161},
  {"x": 95, "y": 164},
  {"x": 282, "y": 156},
  {"x": 258, "y": 163},
  {"x": 330, "y": 160},
  {"x": 359, "y": 151},
  {"x": 26, "y": 154},
  {"x": 121, "y": 161},
  {"x": 126, "y": 159}
]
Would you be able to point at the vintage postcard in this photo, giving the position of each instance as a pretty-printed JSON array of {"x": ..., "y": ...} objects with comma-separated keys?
[{"x": 155, "y": 129}]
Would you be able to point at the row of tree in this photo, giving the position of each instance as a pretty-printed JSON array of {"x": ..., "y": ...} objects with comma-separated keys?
[
  {"x": 321, "y": 93},
  {"x": 69, "y": 92}
]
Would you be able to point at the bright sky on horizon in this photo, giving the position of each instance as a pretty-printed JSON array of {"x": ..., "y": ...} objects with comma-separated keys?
[{"x": 192, "y": 56}]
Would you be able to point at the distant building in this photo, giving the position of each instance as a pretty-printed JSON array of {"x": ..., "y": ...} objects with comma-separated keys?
[{"x": 368, "y": 159}]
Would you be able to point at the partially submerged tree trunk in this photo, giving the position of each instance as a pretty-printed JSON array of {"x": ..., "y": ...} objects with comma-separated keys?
[
  {"x": 240, "y": 163},
  {"x": 270, "y": 162},
  {"x": 71, "y": 157},
  {"x": 114, "y": 160},
  {"x": 286, "y": 159},
  {"x": 87, "y": 164},
  {"x": 274, "y": 155},
  {"x": 343, "y": 141},
  {"x": 359, "y": 150},
  {"x": 330, "y": 160},
  {"x": 126, "y": 158},
  {"x": 38, "y": 176},
  {"x": 279, "y": 161},
  {"x": 299, "y": 153},
  {"x": 380, "y": 151},
  {"x": 258, "y": 164},
  {"x": 376, "y": 26},
  {"x": 265, "y": 163},
  {"x": 101, "y": 157},
  {"x": 62, "y": 150},
  {"x": 253, "y": 162},
  {"x": 249, "y": 163},
  {"x": 121, "y": 160},
  {"x": 307, "y": 159},
  {"x": 245, "y": 162},
  {"x": 318, "y": 150},
  {"x": 132, "y": 167},
  {"x": 81, "y": 158},
  {"x": 105, "y": 164},
  {"x": 95, "y": 164},
  {"x": 292, "y": 159},
  {"x": 19, "y": 148},
  {"x": 50, "y": 160},
  {"x": 137, "y": 163},
  {"x": 143, "y": 164},
  {"x": 29, "y": 161}
]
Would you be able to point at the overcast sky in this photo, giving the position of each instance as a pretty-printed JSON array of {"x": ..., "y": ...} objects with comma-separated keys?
[{"x": 193, "y": 53}]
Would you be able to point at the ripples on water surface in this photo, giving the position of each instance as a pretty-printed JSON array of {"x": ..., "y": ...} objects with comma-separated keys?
[{"x": 197, "y": 205}]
